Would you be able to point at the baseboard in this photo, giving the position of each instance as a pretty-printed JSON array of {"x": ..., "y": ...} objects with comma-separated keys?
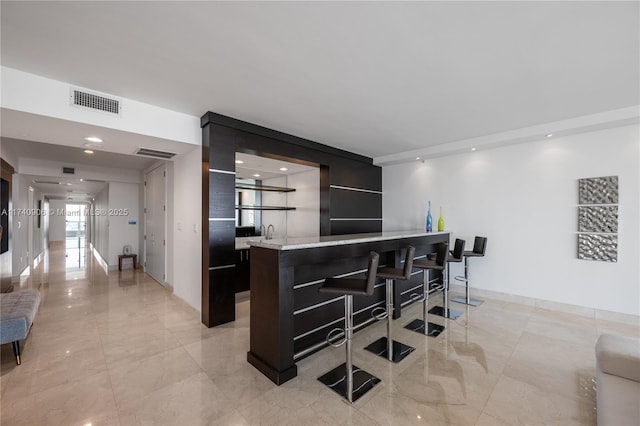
[{"x": 600, "y": 314}]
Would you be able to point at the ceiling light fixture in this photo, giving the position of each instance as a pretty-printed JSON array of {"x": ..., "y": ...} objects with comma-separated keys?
[
  {"x": 93, "y": 139},
  {"x": 239, "y": 162},
  {"x": 417, "y": 158},
  {"x": 256, "y": 175},
  {"x": 88, "y": 151},
  {"x": 283, "y": 169},
  {"x": 473, "y": 149},
  {"x": 548, "y": 135}
]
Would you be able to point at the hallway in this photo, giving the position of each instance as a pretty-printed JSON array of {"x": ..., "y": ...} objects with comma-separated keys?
[{"x": 117, "y": 348}]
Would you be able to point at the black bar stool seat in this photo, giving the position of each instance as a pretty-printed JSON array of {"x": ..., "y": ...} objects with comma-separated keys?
[
  {"x": 348, "y": 380},
  {"x": 454, "y": 256},
  {"x": 479, "y": 248},
  {"x": 436, "y": 264},
  {"x": 386, "y": 347}
]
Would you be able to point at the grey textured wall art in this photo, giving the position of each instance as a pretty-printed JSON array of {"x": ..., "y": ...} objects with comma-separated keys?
[
  {"x": 602, "y": 247},
  {"x": 599, "y": 190},
  {"x": 598, "y": 219}
]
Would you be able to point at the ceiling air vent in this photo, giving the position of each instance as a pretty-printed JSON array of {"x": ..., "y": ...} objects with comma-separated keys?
[
  {"x": 154, "y": 153},
  {"x": 96, "y": 102},
  {"x": 68, "y": 170}
]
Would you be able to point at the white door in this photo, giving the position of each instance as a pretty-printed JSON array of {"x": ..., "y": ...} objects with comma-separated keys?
[{"x": 155, "y": 224}]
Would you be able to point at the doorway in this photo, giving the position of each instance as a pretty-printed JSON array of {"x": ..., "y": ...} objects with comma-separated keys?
[
  {"x": 75, "y": 235},
  {"x": 155, "y": 224}
]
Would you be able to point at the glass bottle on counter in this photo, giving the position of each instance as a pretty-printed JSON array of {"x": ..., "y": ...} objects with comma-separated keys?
[
  {"x": 429, "y": 219},
  {"x": 440, "y": 221}
]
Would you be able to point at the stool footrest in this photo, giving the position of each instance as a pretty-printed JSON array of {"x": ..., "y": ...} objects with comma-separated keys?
[
  {"x": 461, "y": 278},
  {"x": 380, "y": 316},
  {"x": 362, "y": 381},
  {"x": 400, "y": 350},
  {"x": 336, "y": 333},
  {"x": 417, "y": 325}
]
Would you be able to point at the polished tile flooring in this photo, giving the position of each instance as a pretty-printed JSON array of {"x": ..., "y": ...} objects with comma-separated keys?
[{"x": 118, "y": 349}]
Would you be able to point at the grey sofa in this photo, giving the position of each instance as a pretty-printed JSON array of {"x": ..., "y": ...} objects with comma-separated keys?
[
  {"x": 17, "y": 311},
  {"x": 617, "y": 380}
]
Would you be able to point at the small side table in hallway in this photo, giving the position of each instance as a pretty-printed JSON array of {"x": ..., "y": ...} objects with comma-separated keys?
[{"x": 134, "y": 257}]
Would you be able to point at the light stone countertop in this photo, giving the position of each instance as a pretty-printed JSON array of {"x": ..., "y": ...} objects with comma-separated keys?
[{"x": 296, "y": 243}]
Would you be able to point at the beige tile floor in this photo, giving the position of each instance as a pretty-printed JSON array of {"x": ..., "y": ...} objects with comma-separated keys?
[{"x": 118, "y": 349}]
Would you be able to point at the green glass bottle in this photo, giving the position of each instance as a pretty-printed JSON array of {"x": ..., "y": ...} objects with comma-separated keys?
[{"x": 440, "y": 221}]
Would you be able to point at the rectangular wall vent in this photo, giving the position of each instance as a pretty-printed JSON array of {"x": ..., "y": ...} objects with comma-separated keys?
[
  {"x": 69, "y": 170},
  {"x": 96, "y": 102},
  {"x": 154, "y": 153}
]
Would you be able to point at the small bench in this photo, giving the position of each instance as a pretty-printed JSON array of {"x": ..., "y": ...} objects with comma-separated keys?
[
  {"x": 133, "y": 257},
  {"x": 17, "y": 311}
]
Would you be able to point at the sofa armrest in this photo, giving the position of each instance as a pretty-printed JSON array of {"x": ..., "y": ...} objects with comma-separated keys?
[{"x": 619, "y": 356}]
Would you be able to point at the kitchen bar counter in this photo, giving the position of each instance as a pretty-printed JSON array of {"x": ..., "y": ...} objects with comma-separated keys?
[{"x": 290, "y": 319}]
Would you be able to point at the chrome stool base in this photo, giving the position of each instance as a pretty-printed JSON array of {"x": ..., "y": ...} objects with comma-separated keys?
[
  {"x": 464, "y": 300},
  {"x": 336, "y": 379},
  {"x": 451, "y": 314},
  {"x": 417, "y": 325},
  {"x": 400, "y": 350}
]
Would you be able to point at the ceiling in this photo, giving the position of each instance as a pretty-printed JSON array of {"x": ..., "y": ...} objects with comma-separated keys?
[{"x": 374, "y": 78}]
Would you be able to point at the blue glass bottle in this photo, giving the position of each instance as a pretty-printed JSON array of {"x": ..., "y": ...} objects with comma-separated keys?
[{"x": 429, "y": 218}]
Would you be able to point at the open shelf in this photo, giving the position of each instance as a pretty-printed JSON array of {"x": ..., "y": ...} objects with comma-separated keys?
[
  {"x": 248, "y": 207},
  {"x": 240, "y": 185}
]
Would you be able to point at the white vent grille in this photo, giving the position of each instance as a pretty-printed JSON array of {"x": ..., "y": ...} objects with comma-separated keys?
[
  {"x": 154, "y": 153},
  {"x": 96, "y": 102}
]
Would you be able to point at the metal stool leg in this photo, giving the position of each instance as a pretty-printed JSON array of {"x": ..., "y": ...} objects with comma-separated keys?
[
  {"x": 386, "y": 347},
  {"x": 341, "y": 378},
  {"x": 389, "y": 288},
  {"x": 348, "y": 330},
  {"x": 417, "y": 325},
  {"x": 444, "y": 310},
  {"x": 467, "y": 300}
]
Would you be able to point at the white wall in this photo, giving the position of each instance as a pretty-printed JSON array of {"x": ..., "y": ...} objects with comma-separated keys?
[
  {"x": 304, "y": 221},
  {"x": 524, "y": 199},
  {"x": 186, "y": 191},
  {"x": 277, "y": 218},
  {"x": 124, "y": 206},
  {"x": 57, "y": 221},
  {"x": 100, "y": 235},
  {"x": 20, "y": 235},
  {"x": 23, "y": 215}
]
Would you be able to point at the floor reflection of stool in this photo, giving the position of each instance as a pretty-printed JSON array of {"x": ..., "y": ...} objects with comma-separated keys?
[
  {"x": 341, "y": 379},
  {"x": 386, "y": 347},
  {"x": 479, "y": 247},
  {"x": 134, "y": 257},
  {"x": 437, "y": 264}
]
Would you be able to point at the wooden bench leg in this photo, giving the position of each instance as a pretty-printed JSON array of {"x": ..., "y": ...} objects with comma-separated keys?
[{"x": 16, "y": 351}]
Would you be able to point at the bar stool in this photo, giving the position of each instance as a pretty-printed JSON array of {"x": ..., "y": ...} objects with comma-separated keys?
[
  {"x": 341, "y": 378},
  {"x": 479, "y": 247},
  {"x": 386, "y": 347},
  {"x": 437, "y": 264},
  {"x": 454, "y": 256}
]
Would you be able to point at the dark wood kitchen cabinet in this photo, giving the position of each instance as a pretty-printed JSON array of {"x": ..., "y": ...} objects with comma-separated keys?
[{"x": 242, "y": 270}]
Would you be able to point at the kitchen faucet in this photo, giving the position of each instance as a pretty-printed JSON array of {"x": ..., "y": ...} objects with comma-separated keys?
[
  {"x": 263, "y": 230},
  {"x": 273, "y": 229}
]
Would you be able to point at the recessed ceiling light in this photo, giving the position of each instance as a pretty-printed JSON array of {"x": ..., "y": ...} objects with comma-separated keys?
[
  {"x": 283, "y": 169},
  {"x": 473, "y": 149},
  {"x": 417, "y": 158},
  {"x": 256, "y": 175},
  {"x": 239, "y": 161},
  {"x": 93, "y": 139},
  {"x": 548, "y": 135},
  {"x": 88, "y": 151}
]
